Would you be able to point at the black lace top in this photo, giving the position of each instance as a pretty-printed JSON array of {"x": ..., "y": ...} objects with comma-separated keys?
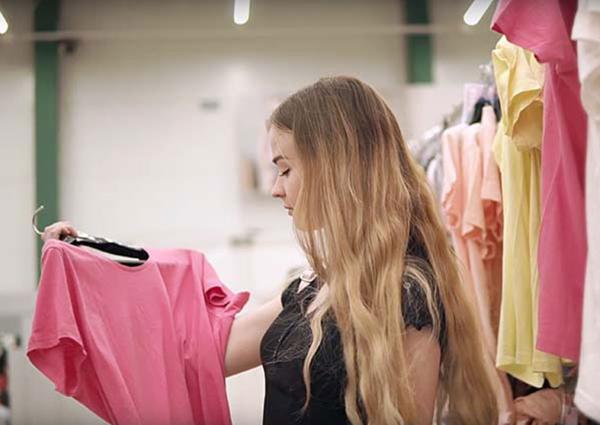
[{"x": 284, "y": 348}]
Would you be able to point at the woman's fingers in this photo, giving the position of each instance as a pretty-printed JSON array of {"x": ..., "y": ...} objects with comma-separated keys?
[{"x": 58, "y": 230}]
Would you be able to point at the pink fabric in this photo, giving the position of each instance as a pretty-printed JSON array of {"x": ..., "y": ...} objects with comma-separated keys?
[
  {"x": 471, "y": 94},
  {"x": 491, "y": 202},
  {"x": 468, "y": 189},
  {"x": 473, "y": 226},
  {"x": 136, "y": 345},
  {"x": 491, "y": 188},
  {"x": 544, "y": 27},
  {"x": 464, "y": 209}
]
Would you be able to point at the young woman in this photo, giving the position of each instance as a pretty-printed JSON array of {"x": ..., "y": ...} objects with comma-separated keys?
[{"x": 382, "y": 332}]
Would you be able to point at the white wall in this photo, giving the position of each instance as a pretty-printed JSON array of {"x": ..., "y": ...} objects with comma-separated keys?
[
  {"x": 143, "y": 162},
  {"x": 137, "y": 103},
  {"x": 17, "y": 182},
  {"x": 457, "y": 57},
  {"x": 132, "y": 107}
]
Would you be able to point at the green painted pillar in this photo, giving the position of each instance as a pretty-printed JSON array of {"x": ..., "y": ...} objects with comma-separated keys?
[
  {"x": 46, "y": 68},
  {"x": 419, "y": 47}
]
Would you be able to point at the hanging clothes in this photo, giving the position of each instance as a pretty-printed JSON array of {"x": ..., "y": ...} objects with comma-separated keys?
[
  {"x": 544, "y": 28},
  {"x": 136, "y": 345},
  {"x": 472, "y": 92},
  {"x": 435, "y": 176},
  {"x": 586, "y": 31},
  {"x": 427, "y": 152},
  {"x": 491, "y": 205},
  {"x": 519, "y": 81},
  {"x": 427, "y": 146},
  {"x": 472, "y": 206},
  {"x": 464, "y": 202}
]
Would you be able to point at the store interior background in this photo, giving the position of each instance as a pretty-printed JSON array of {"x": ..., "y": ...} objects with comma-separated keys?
[{"x": 155, "y": 132}]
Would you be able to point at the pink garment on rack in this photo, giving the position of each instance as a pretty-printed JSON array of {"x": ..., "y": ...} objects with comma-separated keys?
[
  {"x": 464, "y": 208},
  {"x": 140, "y": 345},
  {"x": 491, "y": 199},
  {"x": 544, "y": 27},
  {"x": 473, "y": 228},
  {"x": 463, "y": 204},
  {"x": 472, "y": 92}
]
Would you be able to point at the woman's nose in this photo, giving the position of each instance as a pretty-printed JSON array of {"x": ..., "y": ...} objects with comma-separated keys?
[{"x": 277, "y": 190}]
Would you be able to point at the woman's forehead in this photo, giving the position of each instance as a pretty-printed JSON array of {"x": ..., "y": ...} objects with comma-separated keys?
[{"x": 281, "y": 142}]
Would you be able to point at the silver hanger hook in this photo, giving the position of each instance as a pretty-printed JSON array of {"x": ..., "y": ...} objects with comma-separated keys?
[{"x": 34, "y": 221}]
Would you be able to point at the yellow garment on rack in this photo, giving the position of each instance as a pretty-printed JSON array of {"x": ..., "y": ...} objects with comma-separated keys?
[{"x": 517, "y": 148}]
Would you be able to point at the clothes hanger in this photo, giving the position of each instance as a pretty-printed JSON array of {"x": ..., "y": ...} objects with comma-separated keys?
[
  {"x": 478, "y": 110},
  {"x": 476, "y": 11},
  {"x": 453, "y": 116},
  {"x": 486, "y": 74},
  {"x": 136, "y": 256}
]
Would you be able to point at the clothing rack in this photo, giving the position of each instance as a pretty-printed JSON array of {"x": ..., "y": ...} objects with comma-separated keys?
[
  {"x": 9, "y": 340},
  {"x": 486, "y": 74}
]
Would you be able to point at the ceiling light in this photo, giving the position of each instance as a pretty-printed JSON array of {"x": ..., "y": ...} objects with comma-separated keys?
[
  {"x": 3, "y": 24},
  {"x": 476, "y": 11},
  {"x": 241, "y": 11}
]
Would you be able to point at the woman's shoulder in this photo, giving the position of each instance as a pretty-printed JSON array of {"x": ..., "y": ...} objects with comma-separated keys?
[
  {"x": 290, "y": 288},
  {"x": 420, "y": 295},
  {"x": 296, "y": 285}
]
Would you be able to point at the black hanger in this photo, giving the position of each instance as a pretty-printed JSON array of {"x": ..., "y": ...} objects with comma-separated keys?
[
  {"x": 478, "y": 110},
  {"x": 497, "y": 108},
  {"x": 136, "y": 255}
]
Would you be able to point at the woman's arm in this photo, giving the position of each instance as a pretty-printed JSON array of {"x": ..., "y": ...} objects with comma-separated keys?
[
  {"x": 243, "y": 347},
  {"x": 423, "y": 355}
]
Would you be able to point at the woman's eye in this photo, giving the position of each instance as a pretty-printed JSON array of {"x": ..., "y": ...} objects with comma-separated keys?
[{"x": 284, "y": 173}]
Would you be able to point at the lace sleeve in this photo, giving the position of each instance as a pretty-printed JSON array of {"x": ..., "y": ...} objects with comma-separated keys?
[
  {"x": 415, "y": 309},
  {"x": 288, "y": 293},
  {"x": 414, "y": 305}
]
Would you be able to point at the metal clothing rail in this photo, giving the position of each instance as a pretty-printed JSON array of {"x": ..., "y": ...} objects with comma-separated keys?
[{"x": 238, "y": 33}]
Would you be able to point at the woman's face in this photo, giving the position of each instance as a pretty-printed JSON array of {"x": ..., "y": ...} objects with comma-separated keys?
[{"x": 289, "y": 178}]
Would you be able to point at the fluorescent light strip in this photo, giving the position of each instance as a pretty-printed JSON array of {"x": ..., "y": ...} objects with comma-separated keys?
[
  {"x": 3, "y": 24},
  {"x": 241, "y": 11},
  {"x": 476, "y": 11}
]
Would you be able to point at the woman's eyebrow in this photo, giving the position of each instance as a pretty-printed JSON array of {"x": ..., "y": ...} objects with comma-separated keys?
[{"x": 277, "y": 158}]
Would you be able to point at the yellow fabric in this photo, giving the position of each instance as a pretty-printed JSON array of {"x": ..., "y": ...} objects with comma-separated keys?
[{"x": 519, "y": 80}]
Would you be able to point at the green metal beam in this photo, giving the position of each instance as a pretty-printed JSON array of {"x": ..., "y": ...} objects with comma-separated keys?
[
  {"x": 46, "y": 68},
  {"x": 419, "y": 47}
]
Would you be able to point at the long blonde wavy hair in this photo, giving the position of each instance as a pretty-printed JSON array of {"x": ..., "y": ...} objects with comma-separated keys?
[{"x": 363, "y": 196}]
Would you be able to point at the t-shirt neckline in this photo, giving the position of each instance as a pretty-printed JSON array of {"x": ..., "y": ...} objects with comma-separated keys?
[{"x": 100, "y": 257}]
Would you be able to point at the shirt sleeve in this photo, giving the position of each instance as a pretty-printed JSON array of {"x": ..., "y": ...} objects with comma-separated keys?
[
  {"x": 522, "y": 102},
  {"x": 451, "y": 188},
  {"x": 415, "y": 308},
  {"x": 222, "y": 303},
  {"x": 540, "y": 26},
  {"x": 56, "y": 347},
  {"x": 220, "y": 299}
]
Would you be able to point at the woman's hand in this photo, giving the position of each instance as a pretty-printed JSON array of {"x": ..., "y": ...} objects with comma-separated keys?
[
  {"x": 59, "y": 230},
  {"x": 543, "y": 407}
]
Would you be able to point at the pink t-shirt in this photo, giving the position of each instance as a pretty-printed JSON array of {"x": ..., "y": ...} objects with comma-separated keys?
[
  {"x": 463, "y": 208},
  {"x": 544, "y": 27},
  {"x": 136, "y": 345},
  {"x": 463, "y": 205}
]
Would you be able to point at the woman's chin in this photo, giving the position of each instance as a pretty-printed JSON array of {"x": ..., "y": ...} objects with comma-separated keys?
[{"x": 298, "y": 224}]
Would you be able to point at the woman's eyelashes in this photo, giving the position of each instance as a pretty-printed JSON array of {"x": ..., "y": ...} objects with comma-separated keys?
[{"x": 284, "y": 173}]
